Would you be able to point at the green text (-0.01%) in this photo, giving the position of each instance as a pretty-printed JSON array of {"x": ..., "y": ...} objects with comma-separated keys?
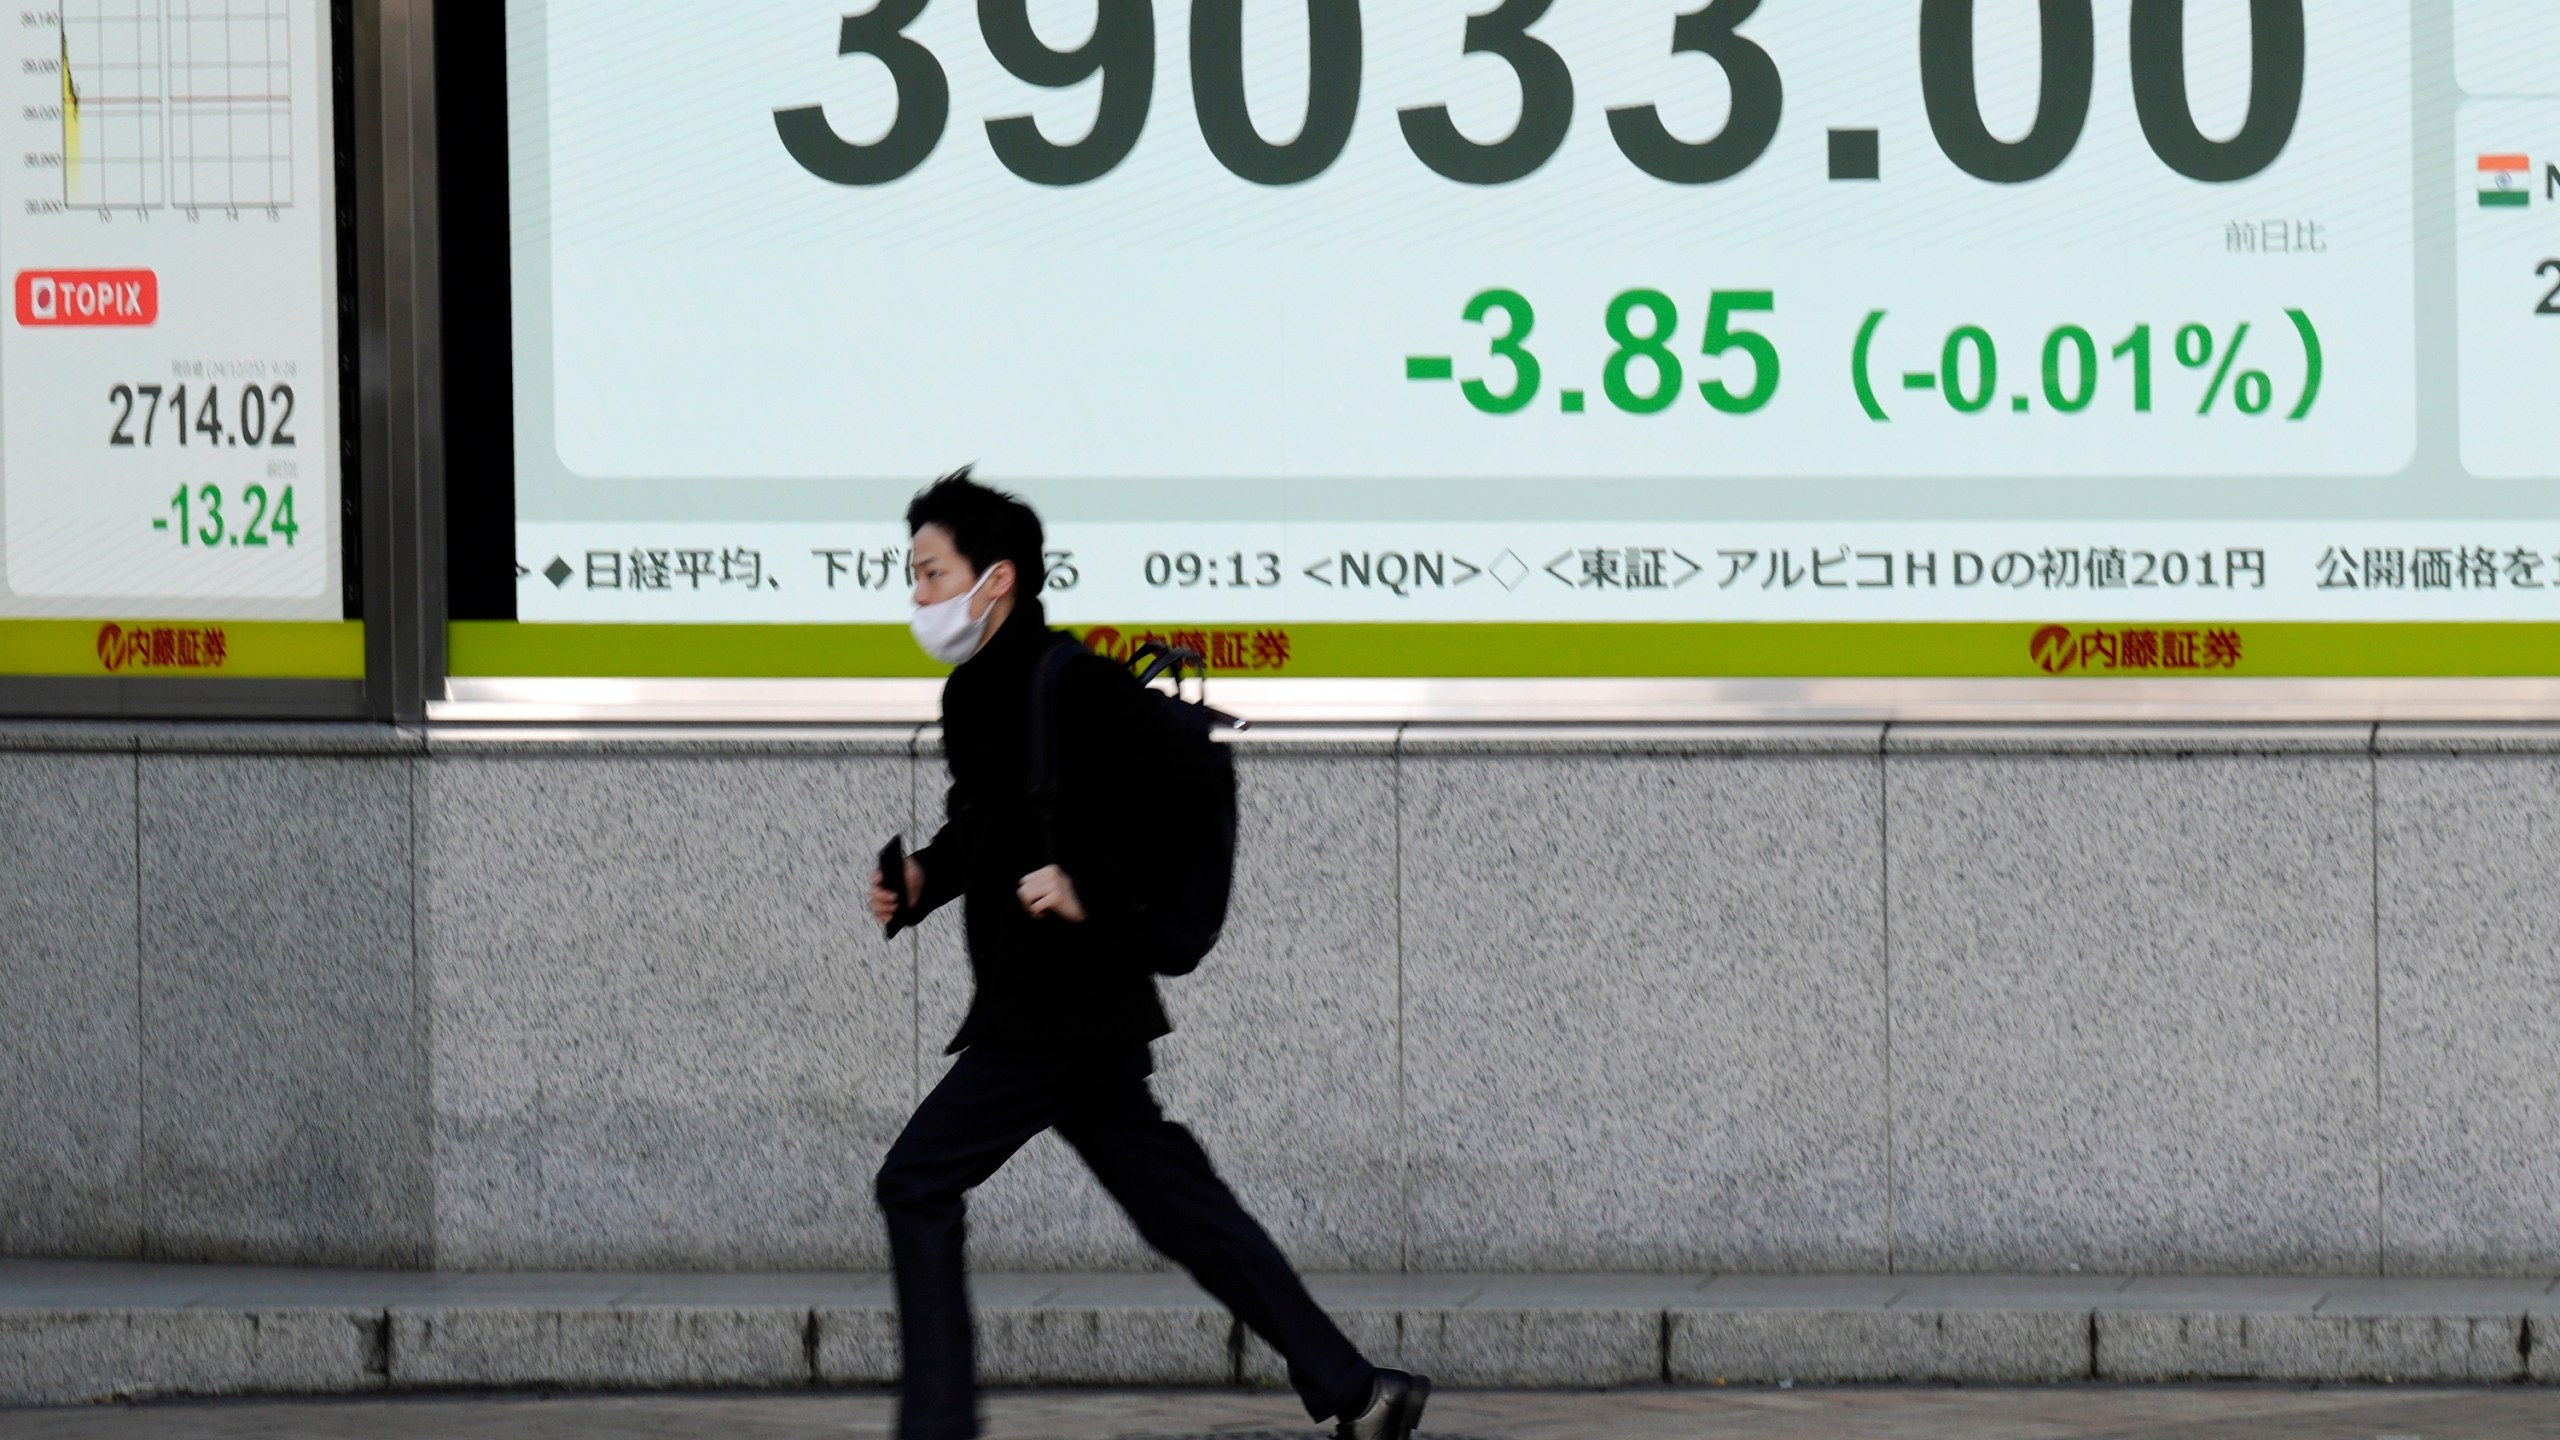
[{"x": 1644, "y": 374}]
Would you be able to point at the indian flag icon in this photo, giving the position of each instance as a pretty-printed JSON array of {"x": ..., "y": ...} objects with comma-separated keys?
[{"x": 2506, "y": 180}]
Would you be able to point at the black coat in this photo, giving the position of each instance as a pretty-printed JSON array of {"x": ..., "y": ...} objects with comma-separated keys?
[{"x": 1048, "y": 982}]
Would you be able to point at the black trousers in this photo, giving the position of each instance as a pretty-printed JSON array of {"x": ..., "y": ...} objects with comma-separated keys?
[{"x": 994, "y": 1100}]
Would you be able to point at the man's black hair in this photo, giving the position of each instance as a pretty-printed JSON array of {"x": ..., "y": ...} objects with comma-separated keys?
[{"x": 985, "y": 526}]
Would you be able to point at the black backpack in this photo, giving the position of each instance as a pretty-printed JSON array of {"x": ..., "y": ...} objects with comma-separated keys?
[{"x": 1193, "y": 784}]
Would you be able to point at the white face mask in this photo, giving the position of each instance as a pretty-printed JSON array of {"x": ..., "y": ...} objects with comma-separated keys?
[{"x": 946, "y": 629}]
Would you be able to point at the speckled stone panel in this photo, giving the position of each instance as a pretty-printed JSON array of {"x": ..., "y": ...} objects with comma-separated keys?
[
  {"x": 623, "y": 1347},
  {"x": 1644, "y": 1012},
  {"x": 70, "y": 1357},
  {"x": 857, "y": 1345},
  {"x": 666, "y": 1031},
  {"x": 1074, "y": 1345},
  {"x": 2470, "y": 931},
  {"x": 1283, "y": 1056},
  {"x": 2337, "y": 1349},
  {"x": 2015, "y": 1347},
  {"x": 284, "y": 1092},
  {"x": 1541, "y": 1347},
  {"x": 70, "y": 1041},
  {"x": 2133, "y": 1013}
]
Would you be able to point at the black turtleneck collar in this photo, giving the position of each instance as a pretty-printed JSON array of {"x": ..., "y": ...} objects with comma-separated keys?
[{"x": 1023, "y": 634}]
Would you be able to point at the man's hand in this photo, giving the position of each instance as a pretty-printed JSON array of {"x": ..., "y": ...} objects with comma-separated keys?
[
  {"x": 1047, "y": 891},
  {"x": 884, "y": 901}
]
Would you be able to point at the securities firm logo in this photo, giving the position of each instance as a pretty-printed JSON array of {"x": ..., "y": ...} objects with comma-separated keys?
[
  {"x": 2063, "y": 650},
  {"x": 2506, "y": 182},
  {"x": 51, "y": 299},
  {"x": 163, "y": 647}
]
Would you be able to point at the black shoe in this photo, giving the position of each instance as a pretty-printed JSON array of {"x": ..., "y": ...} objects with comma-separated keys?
[{"x": 1394, "y": 1410}]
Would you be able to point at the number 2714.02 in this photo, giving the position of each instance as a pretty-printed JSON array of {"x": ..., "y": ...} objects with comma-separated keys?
[{"x": 200, "y": 519}]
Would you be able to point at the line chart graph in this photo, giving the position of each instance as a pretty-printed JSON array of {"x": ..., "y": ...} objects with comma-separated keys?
[{"x": 185, "y": 103}]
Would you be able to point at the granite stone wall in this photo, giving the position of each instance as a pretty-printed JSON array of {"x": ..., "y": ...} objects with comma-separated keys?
[
  {"x": 212, "y": 1022},
  {"x": 1824, "y": 999}
]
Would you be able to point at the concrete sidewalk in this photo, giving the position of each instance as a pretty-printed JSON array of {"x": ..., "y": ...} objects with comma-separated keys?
[
  {"x": 1742, "y": 1412},
  {"x": 72, "y": 1331}
]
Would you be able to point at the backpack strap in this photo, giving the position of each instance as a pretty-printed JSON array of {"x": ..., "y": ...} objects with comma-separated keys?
[
  {"x": 1046, "y": 775},
  {"x": 1169, "y": 660},
  {"x": 1165, "y": 658}
]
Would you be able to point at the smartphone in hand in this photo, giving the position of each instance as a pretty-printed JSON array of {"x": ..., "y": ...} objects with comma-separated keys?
[{"x": 893, "y": 873}]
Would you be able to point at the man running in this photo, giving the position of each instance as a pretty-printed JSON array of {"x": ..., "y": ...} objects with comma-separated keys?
[{"x": 1058, "y": 1030}]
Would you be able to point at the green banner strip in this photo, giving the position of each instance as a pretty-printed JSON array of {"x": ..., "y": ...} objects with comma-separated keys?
[
  {"x": 2175, "y": 649},
  {"x": 184, "y": 649}
]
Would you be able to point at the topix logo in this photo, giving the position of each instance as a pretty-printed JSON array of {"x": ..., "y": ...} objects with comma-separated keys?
[{"x": 50, "y": 299}]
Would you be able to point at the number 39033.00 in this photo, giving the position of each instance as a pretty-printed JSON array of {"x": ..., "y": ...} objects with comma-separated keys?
[{"x": 1122, "y": 51}]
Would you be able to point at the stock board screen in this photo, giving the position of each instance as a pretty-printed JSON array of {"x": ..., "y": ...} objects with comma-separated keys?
[
  {"x": 1545, "y": 337},
  {"x": 170, "y": 430}
]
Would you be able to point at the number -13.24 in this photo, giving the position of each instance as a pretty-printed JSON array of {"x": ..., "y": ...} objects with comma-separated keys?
[{"x": 256, "y": 519}]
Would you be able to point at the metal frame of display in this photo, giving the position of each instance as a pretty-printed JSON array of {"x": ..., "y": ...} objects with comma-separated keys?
[
  {"x": 590, "y": 702},
  {"x": 403, "y": 355}
]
